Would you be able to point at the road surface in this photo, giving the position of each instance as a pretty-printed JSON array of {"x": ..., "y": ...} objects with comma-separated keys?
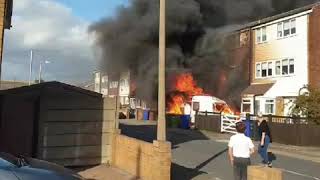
[{"x": 197, "y": 157}]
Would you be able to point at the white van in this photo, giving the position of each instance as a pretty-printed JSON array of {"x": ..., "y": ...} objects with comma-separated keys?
[{"x": 204, "y": 103}]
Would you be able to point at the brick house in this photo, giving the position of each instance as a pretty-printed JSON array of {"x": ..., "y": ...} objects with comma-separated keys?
[{"x": 285, "y": 58}]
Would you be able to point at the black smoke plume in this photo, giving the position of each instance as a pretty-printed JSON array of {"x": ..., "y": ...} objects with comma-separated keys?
[{"x": 195, "y": 41}]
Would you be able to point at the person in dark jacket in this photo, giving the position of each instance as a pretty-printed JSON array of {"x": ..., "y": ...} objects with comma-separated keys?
[{"x": 265, "y": 140}]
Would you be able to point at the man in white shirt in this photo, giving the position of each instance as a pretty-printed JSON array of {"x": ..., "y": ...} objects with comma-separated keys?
[{"x": 240, "y": 149}]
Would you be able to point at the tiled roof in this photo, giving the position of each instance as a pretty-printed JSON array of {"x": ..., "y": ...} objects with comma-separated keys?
[{"x": 257, "y": 89}]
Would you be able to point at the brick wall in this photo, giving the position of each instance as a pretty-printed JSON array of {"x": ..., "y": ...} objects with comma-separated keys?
[
  {"x": 145, "y": 160},
  {"x": 314, "y": 47}
]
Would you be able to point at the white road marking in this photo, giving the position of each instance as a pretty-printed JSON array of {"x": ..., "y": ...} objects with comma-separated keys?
[{"x": 300, "y": 174}]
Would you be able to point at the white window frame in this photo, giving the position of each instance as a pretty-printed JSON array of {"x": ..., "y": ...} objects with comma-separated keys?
[
  {"x": 294, "y": 68},
  {"x": 268, "y": 67},
  {"x": 281, "y": 25},
  {"x": 275, "y": 66},
  {"x": 270, "y": 103},
  {"x": 260, "y": 35},
  {"x": 262, "y": 69},
  {"x": 258, "y": 75},
  {"x": 246, "y": 101}
]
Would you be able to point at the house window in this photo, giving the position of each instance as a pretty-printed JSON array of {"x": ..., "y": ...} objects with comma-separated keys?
[
  {"x": 258, "y": 70},
  {"x": 269, "y": 106},
  {"x": 264, "y": 34},
  {"x": 280, "y": 29},
  {"x": 293, "y": 26},
  {"x": 261, "y": 34},
  {"x": 269, "y": 68},
  {"x": 256, "y": 106},
  {"x": 264, "y": 68},
  {"x": 285, "y": 69},
  {"x": 246, "y": 105},
  {"x": 286, "y": 28},
  {"x": 278, "y": 67},
  {"x": 291, "y": 66}
]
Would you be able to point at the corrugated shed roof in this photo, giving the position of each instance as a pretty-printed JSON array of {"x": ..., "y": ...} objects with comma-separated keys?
[{"x": 53, "y": 84}]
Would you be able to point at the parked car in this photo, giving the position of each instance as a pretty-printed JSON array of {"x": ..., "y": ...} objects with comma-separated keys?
[{"x": 24, "y": 168}]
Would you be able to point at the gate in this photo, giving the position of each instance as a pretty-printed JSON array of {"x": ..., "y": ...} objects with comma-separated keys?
[{"x": 228, "y": 123}]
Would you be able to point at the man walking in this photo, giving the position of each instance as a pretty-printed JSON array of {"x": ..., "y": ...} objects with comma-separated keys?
[{"x": 240, "y": 149}]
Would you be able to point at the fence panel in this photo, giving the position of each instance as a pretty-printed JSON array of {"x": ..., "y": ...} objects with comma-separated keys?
[
  {"x": 208, "y": 121},
  {"x": 293, "y": 130}
]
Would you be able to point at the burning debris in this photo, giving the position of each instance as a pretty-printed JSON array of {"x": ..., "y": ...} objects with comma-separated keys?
[
  {"x": 185, "y": 89},
  {"x": 196, "y": 41}
]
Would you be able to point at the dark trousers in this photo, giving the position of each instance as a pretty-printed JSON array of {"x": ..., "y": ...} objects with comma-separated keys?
[{"x": 240, "y": 166}]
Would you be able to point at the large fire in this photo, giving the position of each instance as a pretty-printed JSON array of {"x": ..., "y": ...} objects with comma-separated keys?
[
  {"x": 184, "y": 84},
  {"x": 185, "y": 88}
]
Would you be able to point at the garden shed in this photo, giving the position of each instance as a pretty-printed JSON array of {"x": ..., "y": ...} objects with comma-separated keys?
[{"x": 57, "y": 122}]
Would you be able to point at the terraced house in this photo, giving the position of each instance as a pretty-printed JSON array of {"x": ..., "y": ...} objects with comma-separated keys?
[{"x": 284, "y": 59}]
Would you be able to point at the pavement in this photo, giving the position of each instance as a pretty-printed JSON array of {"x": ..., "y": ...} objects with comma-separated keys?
[
  {"x": 105, "y": 172},
  {"x": 201, "y": 155},
  {"x": 300, "y": 152}
]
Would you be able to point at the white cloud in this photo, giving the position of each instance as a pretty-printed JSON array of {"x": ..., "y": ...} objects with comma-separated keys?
[{"x": 54, "y": 33}]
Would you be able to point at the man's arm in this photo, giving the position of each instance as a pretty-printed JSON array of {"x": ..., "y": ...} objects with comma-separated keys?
[
  {"x": 231, "y": 155},
  {"x": 262, "y": 138}
]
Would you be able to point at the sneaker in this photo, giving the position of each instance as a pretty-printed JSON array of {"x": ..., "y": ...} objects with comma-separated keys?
[{"x": 269, "y": 164}]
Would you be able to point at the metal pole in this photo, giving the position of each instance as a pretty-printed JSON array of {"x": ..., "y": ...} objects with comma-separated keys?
[
  {"x": 30, "y": 72},
  {"x": 40, "y": 71},
  {"x": 161, "y": 128}
]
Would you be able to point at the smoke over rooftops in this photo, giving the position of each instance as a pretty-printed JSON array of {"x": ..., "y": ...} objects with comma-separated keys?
[{"x": 194, "y": 27}]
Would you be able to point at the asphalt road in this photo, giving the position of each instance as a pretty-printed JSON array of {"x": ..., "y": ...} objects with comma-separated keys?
[{"x": 197, "y": 157}]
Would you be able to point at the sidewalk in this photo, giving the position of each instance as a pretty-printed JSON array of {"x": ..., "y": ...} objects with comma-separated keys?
[
  {"x": 299, "y": 152},
  {"x": 104, "y": 172}
]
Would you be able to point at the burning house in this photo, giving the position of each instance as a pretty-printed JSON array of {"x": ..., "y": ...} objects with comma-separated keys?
[{"x": 207, "y": 46}]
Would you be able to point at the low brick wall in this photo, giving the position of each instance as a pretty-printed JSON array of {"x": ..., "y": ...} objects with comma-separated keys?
[
  {"x": 144, "y": 160},
  {"x": 264, "y": 173}
]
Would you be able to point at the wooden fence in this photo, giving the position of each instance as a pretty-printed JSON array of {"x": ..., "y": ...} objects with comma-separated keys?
[
  {"x": 287, "y": 130},
  {"x": 293, "y": 130},
  {"x": 208, "y": 121}
]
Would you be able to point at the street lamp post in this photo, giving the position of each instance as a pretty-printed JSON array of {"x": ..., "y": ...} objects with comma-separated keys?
[
  {"x": 161, "y": 128},
  {"x": 40, "y": 69},
  {"x": 30, "y": 70}
]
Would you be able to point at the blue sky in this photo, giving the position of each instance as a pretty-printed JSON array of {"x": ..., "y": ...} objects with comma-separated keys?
[
  {"x": 56, "y": 30},
  {"x": 93, "y": 10}
]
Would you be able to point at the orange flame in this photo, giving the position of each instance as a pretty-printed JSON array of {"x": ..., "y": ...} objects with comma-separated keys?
[
  {"x": 176, "y": 104},
  {"x": 184, "y": 84}
]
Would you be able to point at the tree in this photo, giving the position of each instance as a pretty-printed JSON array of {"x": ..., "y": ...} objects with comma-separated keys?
[{"x": 308, "y": 105}]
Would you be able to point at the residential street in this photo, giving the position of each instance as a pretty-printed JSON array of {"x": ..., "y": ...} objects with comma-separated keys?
[{"x": 197, "y": 156}]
